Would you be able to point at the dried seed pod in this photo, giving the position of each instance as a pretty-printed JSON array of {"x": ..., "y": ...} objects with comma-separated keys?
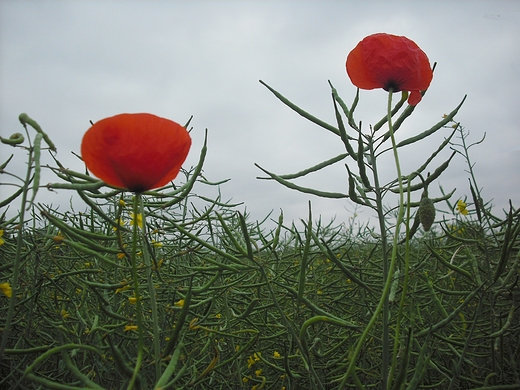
[{"x": 426, "y": 213}]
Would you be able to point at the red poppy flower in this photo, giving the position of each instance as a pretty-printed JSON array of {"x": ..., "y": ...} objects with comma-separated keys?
[
  {"x": 390, "y": 62},
  {"x": 135, "y": 151}
]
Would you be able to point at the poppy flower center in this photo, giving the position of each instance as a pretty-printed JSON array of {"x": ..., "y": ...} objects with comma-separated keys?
[{"x": 392, "y": 85}]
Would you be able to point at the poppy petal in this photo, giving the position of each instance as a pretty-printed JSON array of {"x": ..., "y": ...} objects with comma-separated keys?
[
  {"x": 137, "y": 152},
  {"x": 414, "y": 98},
  {"x": 389, "y": 62}
]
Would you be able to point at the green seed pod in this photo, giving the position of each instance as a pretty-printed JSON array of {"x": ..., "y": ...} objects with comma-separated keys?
[
  {"x": 25, "y": 120},
  {"x": 2, "y": 167},
  {"x": 426, "y": 213},
  {"x": 15, "y": 139}
]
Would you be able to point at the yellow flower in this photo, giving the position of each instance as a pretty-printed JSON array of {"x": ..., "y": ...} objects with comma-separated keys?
[
  {"x": 258, "y": 372},
  {"x": 58, "y": 239},
  {"x": 2, "y": 241},
  {"x": 461, "y": 207},
  {"x": 245, "y": 379},
  {"x": 193, "y": 324},
  {"x": 122, "y": 203},
  {"x": 276, "y": 354},
  {"x": 119, "y": 222},
  {"x": 129, "y": 328},
  {"x": 64, "y": 314},
  {"x": 120, "y": 255},
  {"x": 132, "y": 300},
  {"x": 218, "y": 315},
  {"x": 124, "y": 288},
  {"x": 159, "y": 263},
  {"x": 179, "y": 303},
  {"x": 139, "y": 220},
  {"x": 251, "y": 360},
  {"x": 6, "y": 289},
  {"x": 157, "y": 244}
]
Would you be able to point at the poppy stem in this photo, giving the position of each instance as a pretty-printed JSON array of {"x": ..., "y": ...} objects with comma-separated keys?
[
  {"x": 388, "y": 271},
  {"x": 151, "y": 291},
  {"x": 135, "y": 277}
]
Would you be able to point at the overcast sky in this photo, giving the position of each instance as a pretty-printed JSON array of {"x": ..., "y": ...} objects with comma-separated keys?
[{"x": 67, "y": 62}]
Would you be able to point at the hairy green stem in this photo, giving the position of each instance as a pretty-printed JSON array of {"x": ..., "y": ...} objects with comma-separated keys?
[
  {"x": 383, "y": 302},
  {"x": 151, "y": 293},
  {"x": 400, "y": 313},
  {"x": 137, "y": 294}
]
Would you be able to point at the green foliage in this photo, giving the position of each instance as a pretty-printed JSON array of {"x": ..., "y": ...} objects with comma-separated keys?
[{"x": 201, "y": 297}]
